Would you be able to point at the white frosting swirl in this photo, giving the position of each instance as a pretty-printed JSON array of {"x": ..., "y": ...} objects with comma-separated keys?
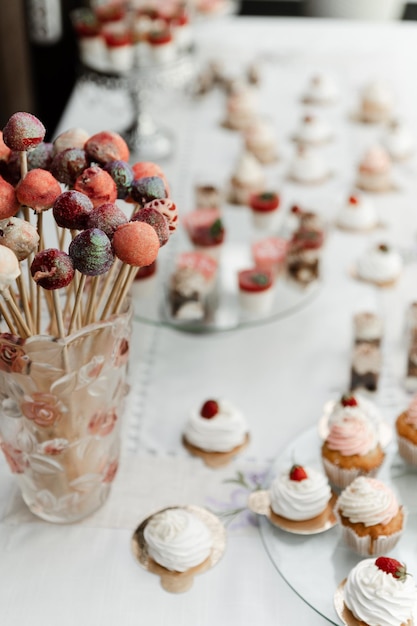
[
  {"x": 259, "y": 133},
  {"x": 377, "y": 93},
  {"x": 249, "y": 170},
  {"x": 365, "y": 409},
  {"x": 300, "y": 499},
  {"x": 177, "y": 539},
  {"x": 358, "y": 215},
  {"x": 375, "y": 161},
  {"x": 322, "y": 89},
  {"x": 377, "y": 598},
  {"x": 308, "y": 166},
  {"x": 312, "y": 129},
  {"x": 368, "y": 501},
  {"x": 398, "y": 141},
  {"x": 368, "y": 326},
  {"x": 221, "y": 433},
  {"x": 379, "y": 265}
]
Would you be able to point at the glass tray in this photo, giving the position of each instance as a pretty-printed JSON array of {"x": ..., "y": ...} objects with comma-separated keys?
[
  {"x": 313, "y": 566},
  {"x": 227, "y": 315}
]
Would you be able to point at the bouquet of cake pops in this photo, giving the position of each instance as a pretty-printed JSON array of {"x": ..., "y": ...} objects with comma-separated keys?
[{"x": 86, "y": 272}]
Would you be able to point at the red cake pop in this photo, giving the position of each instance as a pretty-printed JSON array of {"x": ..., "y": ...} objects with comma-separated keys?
[
  {"x": 52, "y": 269},
  {"x": 38, "y": 190},
  {"x": 4, "y": 150},
  {"x": 155, "y": 219},
  {"x": 91, "y": 252},
  {"x": 68, "y": 165},
  {"x": 136, "y": 243},
  {"x": 97, "y": 184},
  {"x": 9, "y": 204},
  {"x": 23, "y": 132},
  {"x": 147, "y": 168},
  {"x": 107, "y": 217},
  {"x": 72, "y": 209},
  {"x": 106, "y": 146}
]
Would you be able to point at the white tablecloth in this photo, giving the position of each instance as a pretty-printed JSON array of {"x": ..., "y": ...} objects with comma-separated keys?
[{"x": 280, "y": 373}]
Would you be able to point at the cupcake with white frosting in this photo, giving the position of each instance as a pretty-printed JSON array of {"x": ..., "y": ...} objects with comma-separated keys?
[
  {"x": 321, "y": 90},
  {"x": 308, "y": 167},
  {"x": 177, "y": 539},
  {"x": 216, "y": 432},
  {"x": 248, "y": 178},
  {"x": 353, "y": 405},
  {"x": 374, "y": 170},
  {"x": 313, "y": 130},
  {"x": 380, "y": 265},
  {"x": 300, "y": 493},
  {"x": 376, "y": 103},
  {"x": 380, "y": 592},
  {"x": 370, "y": 516},
  {"x": 398, "y": 141},
  {"x": 357, "y": 214},
  {"x": 260, "y": 140}
]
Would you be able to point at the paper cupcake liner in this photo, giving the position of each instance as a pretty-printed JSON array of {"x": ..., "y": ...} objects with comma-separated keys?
[
  {"x": 341, "y": 478},
  {"x": 365, "y": 546},
  {"x": 407, "y": 450}
]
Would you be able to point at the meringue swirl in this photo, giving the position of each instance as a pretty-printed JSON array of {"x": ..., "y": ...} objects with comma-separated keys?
[
  {"x": 221, "y": 433},
  {"x": 300, "y": 500},
  {"x": 368, "y": 501},
  {"x": 177, "y": 539},
  {"x": 352, "y": 434},
  {"x": 377, "y": 598},
  {"x": 379, "y": 265}
]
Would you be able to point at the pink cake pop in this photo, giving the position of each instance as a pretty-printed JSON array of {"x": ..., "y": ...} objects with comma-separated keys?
[
  {"x": 154, "y": 218},
  {"x": 19, "y": 235},
  {"x": 68, "y": 165},
  {"x": 136, "y": 243},
  {"x": 72, "y": 209},
  {"x": 23, "y": 132},
  {"x": 91, "y": 252},
  {"x": 9, "y": 204},
  {"x": 107, "y": 217},
  {"x": 38, "y": 190},
  {"x": 97, "y": 184},
  {"x": 106, "y": 146},
  {"x": 71, "y": 138},
  {"x": 52, "y": 269},
  {"x": 168, "y": 209},
  {"x": 4, "y": 150}
]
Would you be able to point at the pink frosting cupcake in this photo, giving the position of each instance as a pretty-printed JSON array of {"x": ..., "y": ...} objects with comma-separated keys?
[{"x": 351, "y": 448}]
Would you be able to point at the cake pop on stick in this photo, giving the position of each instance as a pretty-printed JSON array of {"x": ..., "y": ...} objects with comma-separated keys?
[
  {"x": 107, "y": 217},
  {"x": 157, "y": 220},
  {"x": 9, "y": 272},
  {"x": 147, "y": 168},
  {"x": 146, "y": 189},
  {"x": 9, "y": 204},
  {"x": 71, "y": 138},
  {"x": 72, "y": 209},
  {"x": 122, "y": 174},
  {"x": 23, "y": 132},
  {"x": 97, "y": 184},
  {"x": 68, "y": 165},
  {"x": 106, "y": 146}
]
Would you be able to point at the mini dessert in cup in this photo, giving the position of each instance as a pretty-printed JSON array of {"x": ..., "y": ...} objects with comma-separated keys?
[
  {"x": 265, "y": 210},
  {"x": 256, "y": 290}
]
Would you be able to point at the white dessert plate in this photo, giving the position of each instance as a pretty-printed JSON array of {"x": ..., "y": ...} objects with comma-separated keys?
[{"x": 313, "y": 566}]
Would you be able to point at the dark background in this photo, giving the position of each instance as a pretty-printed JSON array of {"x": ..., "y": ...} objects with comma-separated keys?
[{"x": 39, "y": 78}]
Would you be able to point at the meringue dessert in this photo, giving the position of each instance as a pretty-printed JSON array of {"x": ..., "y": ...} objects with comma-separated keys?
[
  {"x": 398, "y": 141},
  {"x": 357, "y": 214},
  {"x": 241, "y": 107},
  {"x": 248, "y": 178},
  {"x": 177, "y": 539},
  {"x": 260, "y": 140},
  {"x": 321, "y": 90},
  {"x": 380, "y": 265},
  {"x": 308, "y": 167},
  {"x": 374, "y": 170},
  {"x": 376, "y": 103},
  {"x": 313, "y": 130}
]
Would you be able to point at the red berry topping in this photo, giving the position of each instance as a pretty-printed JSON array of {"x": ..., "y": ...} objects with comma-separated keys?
[
  {"x": 296, "y": 210},
  {"x": 255, "y": 279},
  {"x": 297, "y": 472},
  {"x": 266, "y": 201},
  {"x": 209, "y": 409},
  {"x": 392, "y": 566},
  {"x": 353, "y": 200},
  {"x": 348, "y": 400}
]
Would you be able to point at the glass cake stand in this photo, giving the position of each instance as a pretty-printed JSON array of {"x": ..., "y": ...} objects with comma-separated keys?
[{"x": 313, "y": 566}]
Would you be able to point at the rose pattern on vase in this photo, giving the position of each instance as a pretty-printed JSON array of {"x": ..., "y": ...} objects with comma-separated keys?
[{"x": 61, "y": 403}]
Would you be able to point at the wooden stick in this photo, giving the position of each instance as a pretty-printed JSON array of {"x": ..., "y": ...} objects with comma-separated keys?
[
  {"x": 108, "y": 280},
  {"x": 15, "y": 311},
  {"x": 23, "y": 158},
  {"x": 7, "y": 318},
  {"x": 40, "y": 230},
  {"x": 25, "y": 301},
  {"x": 92, "y": 305},
  {"x": 125, "y": 289},
  {"x": 58, "y": 313},
  {"x": 77, "y": 303},
  {"x": 118, "y": 283}
]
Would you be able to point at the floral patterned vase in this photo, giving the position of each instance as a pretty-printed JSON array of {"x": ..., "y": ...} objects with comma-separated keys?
[{"x": 61, "y": 402}]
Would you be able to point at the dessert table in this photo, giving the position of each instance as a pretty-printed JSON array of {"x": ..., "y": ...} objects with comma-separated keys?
[{"x": 280, "y": 373}]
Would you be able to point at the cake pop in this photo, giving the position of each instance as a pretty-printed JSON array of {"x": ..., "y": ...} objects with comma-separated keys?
[
  {"x": 41, "y": 156},
  {"x": 19, "y": 235},
  {"x": 136, "y": 243},
  {"x": 9, "y": 204},
  {"x": 106, "y": 146},
  {"x": 91, "y": 252},
  {"x": 148, "y": 188},
  {"x": 156, "y": 220},
  {"x": 38, "y": 190},
  {"x": 23, "y": 132},
  {"x": 97, "y": 184},
  {"x": 52, "y": 269},
  {"x": 107, "y": 217},
  {"x": 4, "y": 150},
  {"x": 123, "y": 176},
  {"x": 147, "y": 168},
  {"x": 68, "y": 165},
  {"x": 9, "y": 267},
  {"x": 168, "y": 209},
  {"x": 72, "y": 209},
  {"x": 71, "y": 138}
]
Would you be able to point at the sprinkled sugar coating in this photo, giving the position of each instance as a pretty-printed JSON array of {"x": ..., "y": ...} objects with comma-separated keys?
[
  {"x": 142, "y": 169},
  {"x": 71, "y": 138},
  {"x": 19, "y": 235},
  {"x": 156, "y": 220},
  {"x": 148, "y": 188},
  {"x": 9, "y": 204},
  {"x": 4, "y": 150},
  {"x": 41, "y": 156},
  {"x": 91, "y": 252},
  {"x": 38, "y": 190},
  {"x": 107, "y": 217},
  {"x": 136, "y": 243},
  {"x": 68, "y": 165},
  {"x": 106, "y": 146},
  {"x": 168, "y": 209},
  {"x": 52, "y": 269},
  {"x": 23, "y": 131},
  {"x": 123, "y": 176},
  {"x": 71, "y": 210},
  {"x": 97, "y": 184}
]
